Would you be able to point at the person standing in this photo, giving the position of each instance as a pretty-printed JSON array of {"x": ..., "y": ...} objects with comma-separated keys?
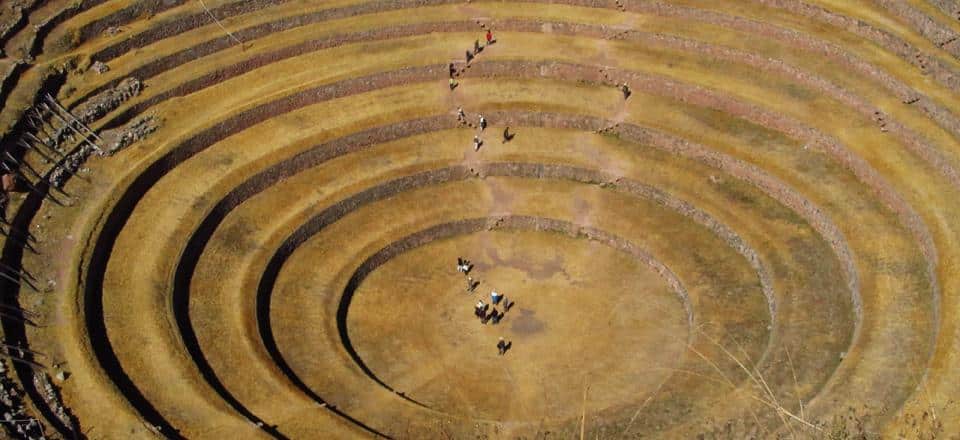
[
  {"x": 495, "y": 297},
  {"x": 483, "y": 123},
  {"x": 489, "y": 37},
  {"x": 502, "y": 346}
]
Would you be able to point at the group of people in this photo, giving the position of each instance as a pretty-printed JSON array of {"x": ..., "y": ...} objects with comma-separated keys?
[
  {"x": 495, "y": 315},
  {"x": 477, "y": 48},
  {"x": 486, "y": 312},
  {"x": 461, "y": 117},
  {"x": 481, "y": 125}
]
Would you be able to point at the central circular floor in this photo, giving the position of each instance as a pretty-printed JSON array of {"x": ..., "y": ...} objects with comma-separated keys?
[{"x": 584, "y": 314}]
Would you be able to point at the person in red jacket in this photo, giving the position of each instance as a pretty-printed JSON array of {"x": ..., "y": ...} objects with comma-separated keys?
[{"x": 489, "y": 36}]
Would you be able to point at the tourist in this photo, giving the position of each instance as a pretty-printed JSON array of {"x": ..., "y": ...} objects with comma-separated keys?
[
  {"x": 453, "y": 84},
  {"x": 469, "y": 56},
  {"x": 507, "y": 136},
  {"x": 476, "y": 46},
  {"x": 461, "y": 116},
  {"x": 480, "y": 309},
  {"x": 453, "y": 70},
  {"x": 471, "y": 284},
  {"x": 477, "y": 142},
  {"x": 497, "y": 316},
  {"x": 493, "y": 315},
  {"x": 495, "y": 297},
  {"x": 503, "y": 346},
  {"x": 626, "y": 90},
  {"x": 483, "y": 123},
  {"x": 489, "y": 37}
]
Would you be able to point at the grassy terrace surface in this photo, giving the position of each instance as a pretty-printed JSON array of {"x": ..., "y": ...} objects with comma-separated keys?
[{"x": 760, "y": 241}]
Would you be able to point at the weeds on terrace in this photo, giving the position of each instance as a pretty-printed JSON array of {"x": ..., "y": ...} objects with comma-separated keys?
[
  {"x": 925, "y": 426},
  {"x": 850, "y": 424},
  {"x": 66, "y": 42}
]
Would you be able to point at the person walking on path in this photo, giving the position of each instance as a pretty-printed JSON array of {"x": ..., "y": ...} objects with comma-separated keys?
[
  {"x": 483, "y": 123},
  {"x": 476, "y": 46},
  {"x": 502, "y": 346},
  {"x": 507, "y": 136},
  {"x": 480, "y": 309},
  {"x": 484, "y": 318},
  {"x": 489, "y": 37},
  {"x": 453, "y": 84},
  {"x": 477, "y": 142},
  {"x": 469, "y": 56},
  {"x": 453, "y": 70},
  {"x": 461, "y": 116}
]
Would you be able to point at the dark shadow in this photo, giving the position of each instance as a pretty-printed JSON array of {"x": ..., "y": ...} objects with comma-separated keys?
[{"x": 14, "y": 330}]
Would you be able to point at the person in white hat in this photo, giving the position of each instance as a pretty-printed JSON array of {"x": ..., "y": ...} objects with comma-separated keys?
[
  {"x": 480, "y": 309},
  {"x": 464, "y": 265}
]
